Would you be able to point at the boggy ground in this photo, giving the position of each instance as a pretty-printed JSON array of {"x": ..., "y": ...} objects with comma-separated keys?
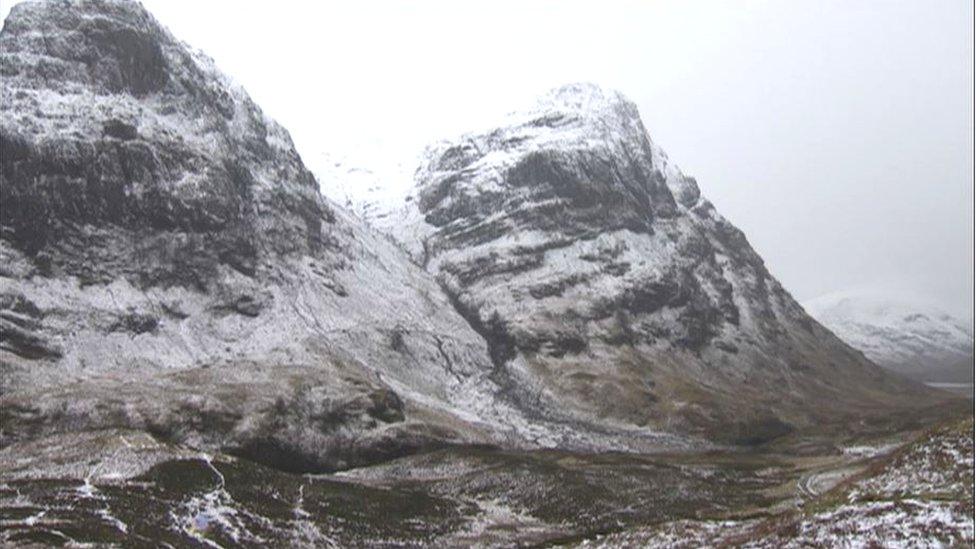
[{"x": 853, "y": 482}]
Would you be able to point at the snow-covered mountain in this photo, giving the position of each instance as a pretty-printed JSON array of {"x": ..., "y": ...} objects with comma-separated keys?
[
  {"x": 609, "y": 290},
  {"x": 186, "y": 321},
  {"x": 914, "y": 338},
  {"x": 167, "y": 264}
]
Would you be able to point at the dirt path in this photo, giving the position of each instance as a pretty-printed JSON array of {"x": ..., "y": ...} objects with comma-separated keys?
[{"x": 816, "y": 483}]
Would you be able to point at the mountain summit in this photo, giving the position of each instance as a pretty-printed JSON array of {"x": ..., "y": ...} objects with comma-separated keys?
[{"x": 610, "y": 291}]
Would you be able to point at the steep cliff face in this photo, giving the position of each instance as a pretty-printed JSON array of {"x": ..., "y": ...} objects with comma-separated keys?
[
  {"x": 610, "y": 291},
  {"x": 167, "y": 264}
]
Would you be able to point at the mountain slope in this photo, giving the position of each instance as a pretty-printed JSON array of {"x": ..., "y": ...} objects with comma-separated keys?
[
  {"x": 611, "y": 293},
  {"x": 915, "y": 339},
  {"x": 167, "y": 264}
]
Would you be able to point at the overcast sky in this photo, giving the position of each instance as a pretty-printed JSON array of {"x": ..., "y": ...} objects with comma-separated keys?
[{"x": 836, "y": 134}]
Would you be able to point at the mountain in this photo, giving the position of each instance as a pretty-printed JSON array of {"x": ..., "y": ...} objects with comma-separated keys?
[
  {"x": 167, "y": 264},
  {"x": 611, "y": 292},
  {"x": 552, "y": 332},
  {"x": 915, "y": 339}
]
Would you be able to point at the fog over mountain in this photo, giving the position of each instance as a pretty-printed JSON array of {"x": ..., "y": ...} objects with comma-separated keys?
[{"x": 918, "y": 340}]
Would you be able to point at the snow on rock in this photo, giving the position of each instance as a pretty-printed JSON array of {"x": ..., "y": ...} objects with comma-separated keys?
[
  {"x": 921, "y": 496},
  {"x": 167, "y": 263},
  {"x": 610, "y": 291},
  {"x": 940, "y": 465},
  {"x": 914, "y": 338}
]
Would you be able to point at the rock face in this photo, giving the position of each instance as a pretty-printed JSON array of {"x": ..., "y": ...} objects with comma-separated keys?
[
  {"x": 917, "y": 340},
  {"x": 611, "y": 292},
  {"x": 167, "y": 264}
]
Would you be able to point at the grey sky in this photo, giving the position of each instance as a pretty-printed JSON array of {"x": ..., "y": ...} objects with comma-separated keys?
[{"x": 836, "y": 134}]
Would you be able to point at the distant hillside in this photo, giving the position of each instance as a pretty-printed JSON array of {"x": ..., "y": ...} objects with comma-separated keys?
[{"x": 917, "y": 340}]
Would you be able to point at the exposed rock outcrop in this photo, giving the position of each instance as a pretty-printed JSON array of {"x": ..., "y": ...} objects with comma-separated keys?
[
  {"x": 611, "y": 292},
  {"x": 167, "y": 264}
]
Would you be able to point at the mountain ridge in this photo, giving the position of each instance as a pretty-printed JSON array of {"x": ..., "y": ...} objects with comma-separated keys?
[
  {"x": 169, "y": 266},
  {"x": 911, "y": 337},
  {"x": 572, "y": 198}
]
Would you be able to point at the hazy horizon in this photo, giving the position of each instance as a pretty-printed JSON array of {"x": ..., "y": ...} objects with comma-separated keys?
[{"x": 837, "y": 136}]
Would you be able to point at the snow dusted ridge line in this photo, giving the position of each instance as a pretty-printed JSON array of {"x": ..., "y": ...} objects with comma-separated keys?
[
  {"x": 609, "y": 290},
  {"x": 913, "y": 338}
]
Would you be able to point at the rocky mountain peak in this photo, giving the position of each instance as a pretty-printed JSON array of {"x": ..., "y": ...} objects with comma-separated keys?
[
  {"x": 590, "y": 101},
  {"x": 607, "y": 288},
  {"x": 582, "y": 154},
  {"x": 120, "y": 110},
  {"x": 116, "y": 41},
  {"x": 610, "y": 115}
]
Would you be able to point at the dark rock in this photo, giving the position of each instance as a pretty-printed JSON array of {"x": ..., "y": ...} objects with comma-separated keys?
[
  {"x": 24, "y": 342},
  {"x": 135, "y": 323},
  {"x": 67, "y": 185},
  {"x": 396, "y": 339},
  {"x": 245, "y": 304},
  {"x": 119, "y": 130},
  {"x": 21, "y": 329}
]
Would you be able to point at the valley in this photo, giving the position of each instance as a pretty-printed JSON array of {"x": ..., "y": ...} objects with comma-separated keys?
[{"x": 130, "y": 488}]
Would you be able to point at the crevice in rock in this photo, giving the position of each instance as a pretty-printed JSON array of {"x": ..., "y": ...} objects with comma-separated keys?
[
  {"x": 501, "y": 345},
  {"x": 448, "y": 363}
]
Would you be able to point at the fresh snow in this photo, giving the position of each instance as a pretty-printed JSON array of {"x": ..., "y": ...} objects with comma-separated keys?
[{"x": 909, "y": 335}]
